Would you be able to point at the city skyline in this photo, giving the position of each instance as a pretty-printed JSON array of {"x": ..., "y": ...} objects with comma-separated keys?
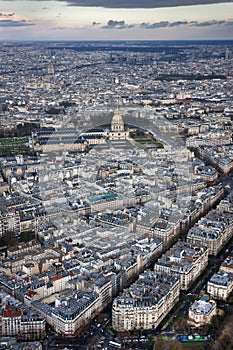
[
  {"x": 116, "y": 196},
  {"x": 94, "y": 20}
]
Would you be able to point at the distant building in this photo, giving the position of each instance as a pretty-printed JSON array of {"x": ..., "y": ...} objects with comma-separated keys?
[
  {"x": 215, "y": 229},
  {"x": 25, "y": 325},
  {"x": 118, "y": 131},
  {"x": 69, "y": 139},
  {"x": 227, "y": 265},
  {"x": 74, "y": 311},
  {"x": 9, "y": 222},
  {"x": 50, "y": 139},
  {"x": 201, "y": 312},
  {"x": 221, "y": 157},
  {"x": 51, "y": 69},
  {"x": 227, "y": 54},
  {"x": 220, "y": 285},
  {"x": 185, "y": 259},
  {"x": 145, "y": 303}
]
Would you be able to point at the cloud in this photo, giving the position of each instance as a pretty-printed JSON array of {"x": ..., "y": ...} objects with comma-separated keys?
[
  {"x": 114, "y": 24},
  {"x": 11, "y": 23},
  {"x": 140, "y": 3},
  {"x": 117, "y": 25},
  {"x": 132, "y": 4},
  {"x": 7, "y": 14},
  {"x": 167, "y": 24},
  {"x": 163, "y": 24},
  {"x": 178, "y": 23},
  {"x": 209, "y": 23}
]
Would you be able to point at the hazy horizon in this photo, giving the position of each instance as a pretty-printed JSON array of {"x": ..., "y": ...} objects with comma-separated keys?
[{"x": 92, "y": 20}]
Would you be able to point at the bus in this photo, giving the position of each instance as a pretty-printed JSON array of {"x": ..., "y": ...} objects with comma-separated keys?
[{"x": 115, "y": 344}]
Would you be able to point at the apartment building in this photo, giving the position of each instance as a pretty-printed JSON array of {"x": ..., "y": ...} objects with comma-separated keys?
[
  {"x": 185, "y": 259},
  {"x": 220, "y": 285},
  {"x": 215, "y": 229},
  {"x": 145, "y": 303},
  {"x": 21, "y": 323},
  {"x": 74, "y": 311},
  {"x": 201, "y": 312},
  {"x": 9, "y": 221},
  {"x": 227, "y": 265}
]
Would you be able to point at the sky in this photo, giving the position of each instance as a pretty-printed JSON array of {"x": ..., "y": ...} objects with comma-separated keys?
[{"x": 116, "y": 20}]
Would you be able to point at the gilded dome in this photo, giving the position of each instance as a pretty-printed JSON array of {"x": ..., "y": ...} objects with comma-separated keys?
[{"x": 117, "y": 118}]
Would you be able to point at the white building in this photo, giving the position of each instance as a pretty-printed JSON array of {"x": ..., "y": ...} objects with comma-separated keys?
[
  {"x": 220, "y": 285},
  {"x": 118, "y": 131},
  {"x": 26, "y": 325},
  {"x": 74, "y": 311},
  {"x": 185, "y": 259},
  {"x": 145, "y": 304},
  {"x": 201, "y": 312}
]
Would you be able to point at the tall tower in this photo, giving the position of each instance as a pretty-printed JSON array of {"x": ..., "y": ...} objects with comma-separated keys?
[{"x": 227, "y": 54}]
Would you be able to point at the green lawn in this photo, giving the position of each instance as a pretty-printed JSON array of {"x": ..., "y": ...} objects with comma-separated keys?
[
  {"x": 15, "y": 145},
  {"x": 13, "y": 140},
  {"x": 151, "y": 142},
  {"x": 193, "y": 345},
  {"x": 27, "y": 236}
]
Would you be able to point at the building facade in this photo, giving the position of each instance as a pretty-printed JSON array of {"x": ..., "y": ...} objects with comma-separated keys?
[
  {"x": 25, "y": 325},
  {"x": 220, "y": 285},
  {"x": 185, "y": 259},
  {"x": 201, "y": 312},
  {"x": 145, "y": 304}
]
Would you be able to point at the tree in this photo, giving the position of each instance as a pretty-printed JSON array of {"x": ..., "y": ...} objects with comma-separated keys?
[
  {"x": 8, "y": 239},
  {"x": 123, "y": 335},
  {"x": 150, "y": 338},
  {"x": 226, "y": 343},
  {"x": 159, "y": 344},
  {"x": 176, "y": 346}
]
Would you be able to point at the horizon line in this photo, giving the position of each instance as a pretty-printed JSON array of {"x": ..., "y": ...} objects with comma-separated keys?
[{"x": 112, "y": 40}]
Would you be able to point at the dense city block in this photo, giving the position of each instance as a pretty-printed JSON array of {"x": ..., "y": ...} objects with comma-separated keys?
[{"x": 115, "y": 190}]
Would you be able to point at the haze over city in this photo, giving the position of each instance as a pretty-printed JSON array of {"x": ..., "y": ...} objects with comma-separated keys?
[{"x": 116, "y": 174}]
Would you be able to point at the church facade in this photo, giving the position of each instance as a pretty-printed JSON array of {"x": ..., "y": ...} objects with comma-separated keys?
[
  {"x": 118, "y": 131},
  {"x": 115, "y": 132}
]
